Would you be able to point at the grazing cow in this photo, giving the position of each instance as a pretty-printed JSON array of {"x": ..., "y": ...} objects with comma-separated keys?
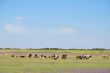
[
  {"x": 55, "y": 56},
  {"x": 45, "y": 56},
  {"x": 30, "y": 55},
  {"x": 49, "y": 57},
  {"x": 88, "y": 56},
  {"x": 105, "y": 56},
  {"x": 22, "y": 56},
  {"x": 17, "y": 56},
  {"x": 83, "y": 57},
  {"x": 64, "y": 56},
  {"x": 35, "y": 56},
  {"x": 41, "y": 56},
  {"x": 79, "y": 57},
  {"x": 13, "y": 56}
]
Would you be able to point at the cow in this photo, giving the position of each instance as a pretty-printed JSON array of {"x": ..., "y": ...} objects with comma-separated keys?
[
  {"x": 88, "y": 56},
  {"x": 22, "y": 56},
  {"x": 64, "y": 56},
  {"x": 83, "y": 57},
  {"x": 105, "y": 56},
  {"x": 79, "y": 57},
  {"x": 41, "y": 56},
  {"x": 30, "y": 55},
  {"x": 55, "y": 56},
  {"x": 35, "y": 56},
  {"x": 13, "y": 56},
  {"x": 49, "y": 57},
  {"x": 45, "y": 56},
  {"x": 17, "y": 56}
]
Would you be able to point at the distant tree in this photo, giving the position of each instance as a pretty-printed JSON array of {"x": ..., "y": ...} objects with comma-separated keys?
[
  {"x": 99, "y": 49},
  {"x": 7, "y": 48},
  {"x": 45, "y": 48},
  {"x": 54, "y": 48},
  {"x": 50, "y": 48}
]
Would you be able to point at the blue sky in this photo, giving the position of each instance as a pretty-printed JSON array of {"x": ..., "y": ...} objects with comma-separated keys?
[{"x": 55, "y": 23}]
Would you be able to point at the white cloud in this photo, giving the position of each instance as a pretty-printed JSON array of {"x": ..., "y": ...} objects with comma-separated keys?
[
  {"x": 10, "y": 28},
  {"x": 67, "y": 30},
  {"x": 15, "y": 28},
  {"x": 19, "y": 18}
]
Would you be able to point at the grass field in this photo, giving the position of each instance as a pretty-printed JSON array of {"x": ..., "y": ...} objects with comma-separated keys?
[{"x": 70, "y": 65}]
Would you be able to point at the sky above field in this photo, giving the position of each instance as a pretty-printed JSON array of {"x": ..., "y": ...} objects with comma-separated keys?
[{"x": 55, "y": 23}]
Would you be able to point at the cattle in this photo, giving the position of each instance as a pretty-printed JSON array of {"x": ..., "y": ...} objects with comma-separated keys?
[
  {"x": 41, "y": 56},
  {"x": 17, "y": 56},
  {"x": 83, "y": 57},
  {"x": 64, "y": 56},
  {"x": 105, "y": 56},
  {"x": 52, "y": 56},
  {"x": 13, "y": 56},
  {"x": 49, "y": 57},
  {"x": 55, "y": 56},
  {"x": 88, "y": 56},
  {"x": 45, "y": 56},
  {"x": 78, "y": 57},
  {"x": 22, "y": 56},
  {"x": 30, "y": 55},
  {"x": 35, "y": 56}
]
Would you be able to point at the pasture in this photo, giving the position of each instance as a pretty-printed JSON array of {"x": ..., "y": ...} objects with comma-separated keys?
[{"x": 97, "y": 64}]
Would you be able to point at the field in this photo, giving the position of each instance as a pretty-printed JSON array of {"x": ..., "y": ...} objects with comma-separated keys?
[{"x": 46, "y": 65}]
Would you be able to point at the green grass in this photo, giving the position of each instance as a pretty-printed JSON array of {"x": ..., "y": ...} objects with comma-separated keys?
[
  {"x": 26, "y": 65},
  {"x": 72, "y": 51}
]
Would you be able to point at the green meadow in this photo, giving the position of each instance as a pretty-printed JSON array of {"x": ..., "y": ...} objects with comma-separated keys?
[{"x": 47, "y": 65}]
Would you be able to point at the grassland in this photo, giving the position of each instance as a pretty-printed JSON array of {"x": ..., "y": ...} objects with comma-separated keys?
[{"x": 39, "y": 65}]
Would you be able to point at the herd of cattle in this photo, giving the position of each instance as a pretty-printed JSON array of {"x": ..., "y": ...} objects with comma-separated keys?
[{"x": 55, "y": 56}]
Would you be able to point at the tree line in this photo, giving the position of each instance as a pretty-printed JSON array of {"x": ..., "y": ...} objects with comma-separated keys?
[{"x": 56, "y": 48}]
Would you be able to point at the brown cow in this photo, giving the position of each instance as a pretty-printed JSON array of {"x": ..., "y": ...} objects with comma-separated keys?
[
  {"x": 64, "y": 56},
  {"x": 30, "y": 55},
  {"x": 35, "y": 56},
  {"x": 45, "y": 56},
  {"x": 13, "y": 56},
  {"x": 49, "y": 57},
  {"x": 41, "y": 56},
  {"x": 22, "y": 56}
]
